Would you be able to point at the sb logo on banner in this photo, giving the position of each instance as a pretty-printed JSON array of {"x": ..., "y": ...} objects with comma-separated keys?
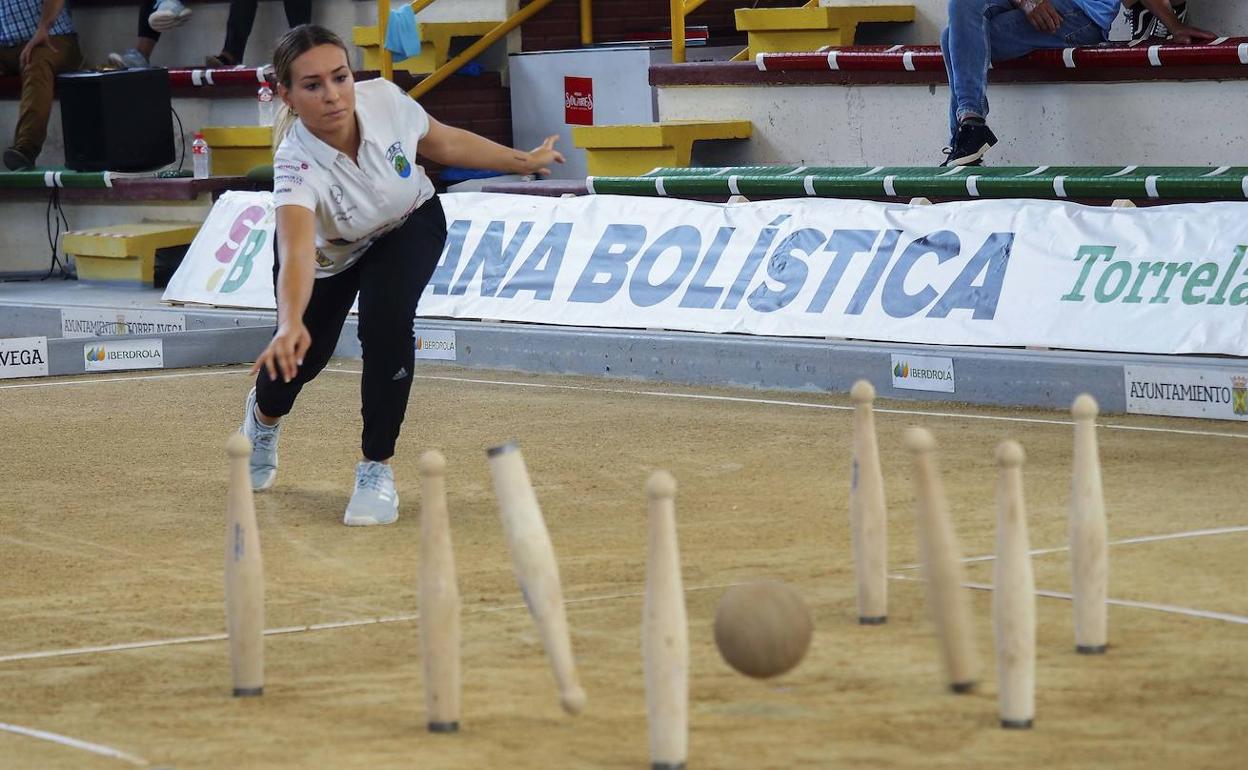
[{"x": 237, "y": 254}]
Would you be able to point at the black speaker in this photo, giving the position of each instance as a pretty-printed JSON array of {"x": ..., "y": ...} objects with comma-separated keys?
[{"x": 116, "y": 121}]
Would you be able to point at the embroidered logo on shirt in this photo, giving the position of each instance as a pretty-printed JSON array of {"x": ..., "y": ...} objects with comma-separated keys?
[
  {"x": 323, "y": 261},
  {"x": 401, "y": 165},
  {"x": 335, "y": 192}
]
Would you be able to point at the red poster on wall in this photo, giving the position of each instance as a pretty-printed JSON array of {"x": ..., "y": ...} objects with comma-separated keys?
[{"x": 578, "y": 101}]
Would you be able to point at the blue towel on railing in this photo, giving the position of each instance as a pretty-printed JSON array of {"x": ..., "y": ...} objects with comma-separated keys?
[{"x": 403, "y": 33}]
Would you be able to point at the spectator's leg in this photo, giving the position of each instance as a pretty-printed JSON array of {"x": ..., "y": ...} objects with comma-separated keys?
[
  {"x": 953, "y": 90},
  {"x": 147, "y": 35},
  {"x": 1013, "y": 36},
  {"x": 965, "y": 45},
  {"x": 238, "y": 28},
  {"x": 146, "y": 42},
  {"x": 38, "y": 79},
  {"x": 298, "y": 12}
]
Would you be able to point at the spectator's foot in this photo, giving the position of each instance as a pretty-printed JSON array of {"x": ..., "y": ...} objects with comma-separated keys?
[
  {"x": 168, "y": 14},
  {"x": 974, "y": 138},
  {"x": 1146, "y": 27},
  {"x": 16, "y": 160},
  {"x": 130, "y": 60},
  {"x": 222, "y": 60}
]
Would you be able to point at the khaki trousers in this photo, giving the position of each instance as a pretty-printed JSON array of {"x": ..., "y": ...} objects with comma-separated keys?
[{"x": 38, "y": 81}]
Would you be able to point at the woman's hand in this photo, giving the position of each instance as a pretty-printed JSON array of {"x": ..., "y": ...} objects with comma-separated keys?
[
  {"x": 540, "y": 158},
  {"x": 284, "y": 354}
]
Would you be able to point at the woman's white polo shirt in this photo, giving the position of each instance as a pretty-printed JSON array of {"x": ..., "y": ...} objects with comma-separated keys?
[{"x": 356, "y": 204}]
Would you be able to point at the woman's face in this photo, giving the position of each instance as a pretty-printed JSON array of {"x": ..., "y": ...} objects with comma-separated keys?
[{"x": 322, "y": 90}]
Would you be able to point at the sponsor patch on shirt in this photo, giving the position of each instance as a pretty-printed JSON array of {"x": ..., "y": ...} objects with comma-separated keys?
[{"x": 401, "y": 165}]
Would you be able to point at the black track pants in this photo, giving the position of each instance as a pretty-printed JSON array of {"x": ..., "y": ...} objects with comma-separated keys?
[{"x": 389, "y": 279}]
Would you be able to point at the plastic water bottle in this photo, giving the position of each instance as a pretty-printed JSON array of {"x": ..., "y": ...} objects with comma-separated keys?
[
  {"x": 264, "y": 98},
  {"x": 201, "y": 157}
]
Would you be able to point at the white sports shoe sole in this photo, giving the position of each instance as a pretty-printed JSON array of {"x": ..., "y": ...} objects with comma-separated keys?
[
  {"x": 369, "y": 520},
  {"x": 267, "y": 484},
  {"x": 163, "y": 21}
]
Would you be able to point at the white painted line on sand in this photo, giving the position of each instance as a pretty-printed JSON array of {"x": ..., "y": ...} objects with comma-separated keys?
[
  {"x": 65, "y": 740},
  {"x": 285, "y": 630},
  {"x": 1170, "y": 608},
  {"x": 1124, "y": 541},
  {"x": 173, "y": 376}
]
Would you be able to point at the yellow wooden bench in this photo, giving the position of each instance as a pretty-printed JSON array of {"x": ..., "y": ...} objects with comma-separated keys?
[
  {"x": 629, "y": 150},
  {"x": 787, "y": 30},
  {"x": 124, "y": 254},
  {"x": 435, "y": 44},
  {"x": 238, "y": 149}
]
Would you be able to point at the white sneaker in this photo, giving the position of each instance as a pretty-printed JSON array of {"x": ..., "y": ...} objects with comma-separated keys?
[
  {"x": 130, "y": 60},
  {"x": 168, "y": 14},
  {"x": 263, "y": 446},
  {"x": 374, "y": 500}
]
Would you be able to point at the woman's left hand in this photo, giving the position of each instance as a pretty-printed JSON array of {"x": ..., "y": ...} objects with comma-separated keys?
[{"x": 541, "y": 157}]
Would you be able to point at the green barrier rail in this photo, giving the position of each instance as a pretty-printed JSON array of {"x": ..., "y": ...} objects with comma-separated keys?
[
  {"x": 24, "y": 180},
  {"x": 1052, "y": 182}
]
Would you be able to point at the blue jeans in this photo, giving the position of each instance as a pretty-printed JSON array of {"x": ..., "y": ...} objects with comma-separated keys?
[{"x": 980, "y": 31}]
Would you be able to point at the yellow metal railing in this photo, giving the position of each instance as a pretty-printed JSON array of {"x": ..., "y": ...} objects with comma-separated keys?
[
  {"x": 680, "y": 10},
  {"x": 468, "y": 54}
]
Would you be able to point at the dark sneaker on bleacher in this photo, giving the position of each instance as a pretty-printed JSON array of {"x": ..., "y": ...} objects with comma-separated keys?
[
  {"x": 973, "y": 140},
  {"x": 1145, "y": 25},
  {"x": 221, "y": 61},
  {"x": 16, "y": 160}
]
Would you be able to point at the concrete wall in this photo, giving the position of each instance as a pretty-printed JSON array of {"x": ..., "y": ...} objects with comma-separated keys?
[{"x": 1050, "y": 123}]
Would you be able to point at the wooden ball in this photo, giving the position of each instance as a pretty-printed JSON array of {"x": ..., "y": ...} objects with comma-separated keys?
[{"x": 762, "y": 629}]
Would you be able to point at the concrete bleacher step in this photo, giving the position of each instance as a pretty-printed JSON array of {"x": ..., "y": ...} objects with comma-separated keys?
[
  {"x": 238, "y": 149},
  {"x": 772, "y": 30},
  {"x": 435, "y": 50},
  {"x": 125, "y": 254},
  {"x": 863, "y": 105},
  {"x": 634, "y": 149}
]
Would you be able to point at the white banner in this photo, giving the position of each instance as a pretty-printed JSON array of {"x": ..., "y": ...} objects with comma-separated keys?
[
  {"x": 1166, "y": 279},
  {"x": 93, "y": 322},
  {"x": 1175, "y": 392},
  {"x": 115, "y": 355},
  {"x": 230, "y": 262},
  {"x": 23, "y": 357}
]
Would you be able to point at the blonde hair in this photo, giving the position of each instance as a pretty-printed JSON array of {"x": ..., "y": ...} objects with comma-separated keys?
[{"x": 294, "y": 44}]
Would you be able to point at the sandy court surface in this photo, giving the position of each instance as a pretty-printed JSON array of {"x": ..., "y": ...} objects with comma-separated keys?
[{"x": 112, "y": 527}]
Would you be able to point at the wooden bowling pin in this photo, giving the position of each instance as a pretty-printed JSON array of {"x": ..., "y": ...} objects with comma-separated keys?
[
  {"x": 942, "y": 567},
  {"x": 439, "y": 600},
  {"x": 665, "y": 632},
  {"x": 537, "y": 572},
  {"x": 868, "y": 520},
  {"x": 1089, "y": 539},
  {"x": 1014, "y": 595},
  {"x": 244, "y": 575}
]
